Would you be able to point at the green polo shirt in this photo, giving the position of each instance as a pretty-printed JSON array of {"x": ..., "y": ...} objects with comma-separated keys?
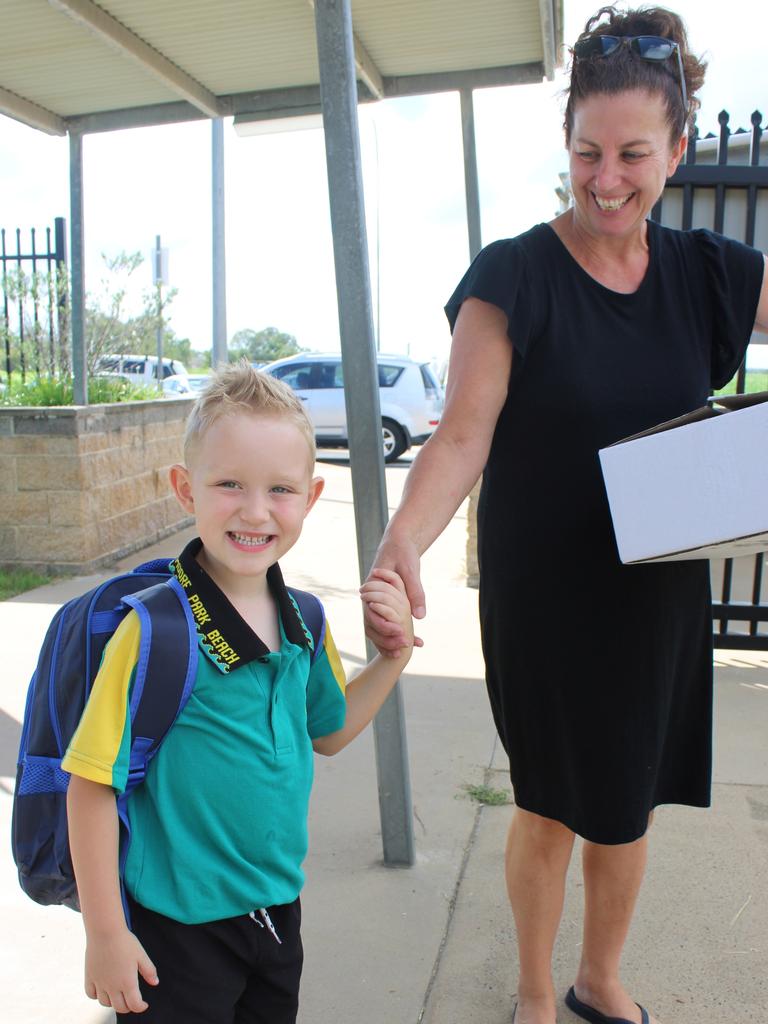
[{"x": 219, "y": 826}]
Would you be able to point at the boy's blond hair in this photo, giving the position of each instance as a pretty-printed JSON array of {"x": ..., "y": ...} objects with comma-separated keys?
[{"x": 240, "y": 388}]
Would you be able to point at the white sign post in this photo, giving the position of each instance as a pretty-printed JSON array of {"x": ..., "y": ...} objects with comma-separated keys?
[{"x": 159, "y": 278}]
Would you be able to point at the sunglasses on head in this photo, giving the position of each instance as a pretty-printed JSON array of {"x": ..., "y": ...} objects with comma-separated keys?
[{"x": 653, "y": 48}]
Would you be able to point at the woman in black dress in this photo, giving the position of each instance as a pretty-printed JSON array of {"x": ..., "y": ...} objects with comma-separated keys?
[{"x": 565, "y": 339}]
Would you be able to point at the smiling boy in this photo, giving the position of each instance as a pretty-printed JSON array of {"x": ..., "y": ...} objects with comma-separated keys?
[{"x": 219, "y": 832}]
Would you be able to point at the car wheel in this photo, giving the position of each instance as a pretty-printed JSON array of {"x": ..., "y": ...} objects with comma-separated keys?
[{"x": 394, "y": 440}]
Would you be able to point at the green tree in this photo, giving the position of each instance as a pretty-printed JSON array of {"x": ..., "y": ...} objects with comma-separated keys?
[
  {"x": 262, "y": 346},
  {"x": 108, "y": 329}
]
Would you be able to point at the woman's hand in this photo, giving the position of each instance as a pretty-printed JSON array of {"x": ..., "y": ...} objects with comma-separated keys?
[{"x": 400, "y": 556}]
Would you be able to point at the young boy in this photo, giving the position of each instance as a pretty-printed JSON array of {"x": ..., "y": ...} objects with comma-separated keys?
[{"x": 219, "y": 827}]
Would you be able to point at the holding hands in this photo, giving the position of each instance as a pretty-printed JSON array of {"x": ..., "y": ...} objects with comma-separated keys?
[
  {"x": 388, "y": 613},
  {"x": 397, "y": 564}
]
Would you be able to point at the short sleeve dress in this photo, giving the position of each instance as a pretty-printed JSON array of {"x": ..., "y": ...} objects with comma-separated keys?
[{"x": 599, "y": 674}]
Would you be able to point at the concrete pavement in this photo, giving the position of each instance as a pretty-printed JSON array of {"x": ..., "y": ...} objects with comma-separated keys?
[{"x": 434, "y": 943}]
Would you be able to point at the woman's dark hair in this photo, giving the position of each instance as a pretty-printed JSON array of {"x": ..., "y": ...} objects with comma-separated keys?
[{"x": 622, "y": 70}]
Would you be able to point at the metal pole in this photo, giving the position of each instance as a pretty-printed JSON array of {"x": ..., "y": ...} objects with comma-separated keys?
[
  {"x": 219, "y": 353},
  {"x": 62, "y": 293},
  {"x": 471, "y": 184},
  {"x": 378, "y": 235},
  {"x": 77, "y": 320},
  {"x": 338, "y": 90},
  {"x": 159, "y": 329}
]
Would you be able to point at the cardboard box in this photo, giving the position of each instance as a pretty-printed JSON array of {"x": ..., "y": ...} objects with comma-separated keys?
[{"x": 694, "y": 487}]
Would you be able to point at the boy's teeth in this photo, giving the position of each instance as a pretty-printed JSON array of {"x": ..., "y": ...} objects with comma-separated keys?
[
  {"x": 612, "y": 204},
  {"x": 255, "y": 541}
]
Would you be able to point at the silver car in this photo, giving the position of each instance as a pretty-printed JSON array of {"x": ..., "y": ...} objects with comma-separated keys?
[{"x": 410, "y": 396}]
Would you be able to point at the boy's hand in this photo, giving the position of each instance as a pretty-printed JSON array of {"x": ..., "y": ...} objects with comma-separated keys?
[
  {"x": 384, "y": 594},
  {"x": 112, "y": 966}
]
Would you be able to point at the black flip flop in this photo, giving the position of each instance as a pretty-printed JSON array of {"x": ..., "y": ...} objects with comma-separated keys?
[{"x": 594, "y": 1016}]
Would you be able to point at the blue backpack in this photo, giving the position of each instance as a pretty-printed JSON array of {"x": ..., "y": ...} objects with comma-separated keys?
[{"x": 69, "y": 660}]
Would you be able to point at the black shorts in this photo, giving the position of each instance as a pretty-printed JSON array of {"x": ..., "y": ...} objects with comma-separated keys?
[{"x": 232, "y": 971}]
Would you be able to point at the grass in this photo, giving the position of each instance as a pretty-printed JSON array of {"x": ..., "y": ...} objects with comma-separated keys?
[
  {"x": 488, "y": 795},
  {"x": 757, "y": 380},
  {"x": 17, "y": 581}
]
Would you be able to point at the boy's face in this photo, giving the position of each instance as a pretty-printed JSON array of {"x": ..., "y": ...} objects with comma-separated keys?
[{"x": 249, "y": 486}]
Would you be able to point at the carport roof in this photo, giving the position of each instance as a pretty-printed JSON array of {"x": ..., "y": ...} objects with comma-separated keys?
[{"x": 74, "y": 64}]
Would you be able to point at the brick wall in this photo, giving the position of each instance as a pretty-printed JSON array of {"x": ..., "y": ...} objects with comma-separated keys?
[{"x": 83, "y": 486}]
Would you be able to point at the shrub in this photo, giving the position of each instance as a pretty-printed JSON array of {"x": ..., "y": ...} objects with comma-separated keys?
[{"x": 59, "y": 391}]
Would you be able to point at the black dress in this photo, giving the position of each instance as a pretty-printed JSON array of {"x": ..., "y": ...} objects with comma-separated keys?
[{"x": 599, "y": 674}]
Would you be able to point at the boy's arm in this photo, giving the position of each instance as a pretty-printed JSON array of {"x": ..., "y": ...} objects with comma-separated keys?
[
  {"x": 113, "y": 954},
  {"x": 385, "y": 594}
]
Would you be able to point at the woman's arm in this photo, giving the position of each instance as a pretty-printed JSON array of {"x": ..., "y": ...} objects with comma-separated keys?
[
  {"x": 761, "y": 318},
  {"x": 451, "y": 461}
]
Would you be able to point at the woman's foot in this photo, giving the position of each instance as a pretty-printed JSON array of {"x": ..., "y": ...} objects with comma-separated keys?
[
  {"x": 612, "y": 1001},
  {"x": 535, "y": 1010}
]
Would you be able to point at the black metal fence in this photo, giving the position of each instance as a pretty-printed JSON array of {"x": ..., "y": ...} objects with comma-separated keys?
[
  {"x": 34, "y": 328},
  {"x": 723, "y": 185}
]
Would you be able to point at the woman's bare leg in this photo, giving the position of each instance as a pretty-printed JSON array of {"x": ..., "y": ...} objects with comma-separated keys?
[
  {"x": 538, "y": 852},
  {"x": 612, "y": 879}
]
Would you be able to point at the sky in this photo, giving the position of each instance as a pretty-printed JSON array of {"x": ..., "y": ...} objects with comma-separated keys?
[{"x": 150, "y": 181}]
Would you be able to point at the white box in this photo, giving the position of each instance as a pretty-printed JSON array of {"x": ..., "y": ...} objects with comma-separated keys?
[{"x": 694, "y": 487}]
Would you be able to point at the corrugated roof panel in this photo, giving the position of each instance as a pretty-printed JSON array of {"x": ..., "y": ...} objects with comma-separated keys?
[
  {"x": 236, "y": 46},
  {"x": 230, "y": 46},
  {"x": 405, "y": 38},
  {"x": 45, "y": 57}
]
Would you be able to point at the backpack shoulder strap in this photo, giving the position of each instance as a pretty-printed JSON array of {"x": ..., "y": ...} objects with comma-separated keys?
[
  {"x": 165, "y": 673},
  {"x": 313, "y": 614},
  {"x": 165, "y": 676}
]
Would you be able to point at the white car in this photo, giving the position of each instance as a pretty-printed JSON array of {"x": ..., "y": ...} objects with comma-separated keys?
[
  {"x": 410, "y": 396},
  {"x": 139, "y": 369},
  {"x": 177, "y": 386},
  {"x": 197, "y": 381}
]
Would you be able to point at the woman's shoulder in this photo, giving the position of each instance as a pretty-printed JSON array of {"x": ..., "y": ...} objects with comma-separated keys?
[
  {"x": 713, "y": 253},
  {"x": 699, "y": 239},
  {"x": 522, "y": 243},
  {"x": 503, "y": 273},
  {"x": 515, "y": 254}
]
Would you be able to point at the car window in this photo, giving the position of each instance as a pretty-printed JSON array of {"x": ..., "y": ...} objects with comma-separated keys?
[
  {"x": 389, "y": 375},
  {"x": 329, "y": 375},
  {"x": 430, "y": 380},
  {"x": 297, "y": 376},
  {"x": 133, "y": 365}
]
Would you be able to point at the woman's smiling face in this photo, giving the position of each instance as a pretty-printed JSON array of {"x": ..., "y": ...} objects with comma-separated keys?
[{"x": 620, "y": 158}]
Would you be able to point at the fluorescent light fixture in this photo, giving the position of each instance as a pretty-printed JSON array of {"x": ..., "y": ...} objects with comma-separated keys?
[{"x": 272, "y": 121}]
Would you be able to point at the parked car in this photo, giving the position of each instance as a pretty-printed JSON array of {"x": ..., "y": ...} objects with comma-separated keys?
[
  {"x": 197, "y": 381},
  {"x": 177, "y": 386},
  {"x": 410, "y": 396},
  {"x": 139, "y": 369}
]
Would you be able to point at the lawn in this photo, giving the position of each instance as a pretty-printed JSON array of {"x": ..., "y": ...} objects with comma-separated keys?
[{"x": 16, "y": 581}]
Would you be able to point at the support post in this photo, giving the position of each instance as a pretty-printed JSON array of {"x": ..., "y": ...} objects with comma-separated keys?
[
  {"x": 338, "y": 90},
  {"x": 471, "y": 183},
  {"x": 158, "y": 275},
  {"x": 62, "y": 294},
  {"x": 219, "y": 271},
  {"x": 77, "y": 318}
]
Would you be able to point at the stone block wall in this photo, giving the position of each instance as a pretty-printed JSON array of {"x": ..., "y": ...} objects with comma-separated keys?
[{"x": 81, "y": 487}]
